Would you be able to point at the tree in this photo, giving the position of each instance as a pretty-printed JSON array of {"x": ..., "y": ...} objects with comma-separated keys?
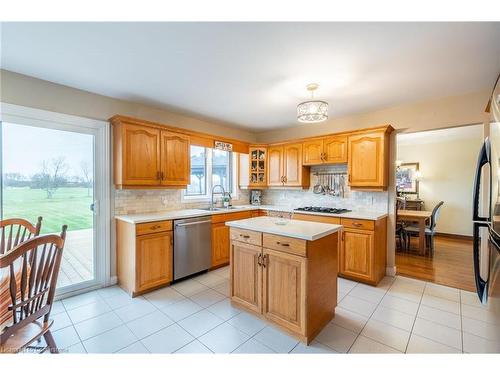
[
  {"x": 87, "y": 176},
  {"x": 51, "y": 177}
]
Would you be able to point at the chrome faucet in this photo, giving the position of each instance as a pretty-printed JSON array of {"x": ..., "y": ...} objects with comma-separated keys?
[{"x": 212, "y": 205}]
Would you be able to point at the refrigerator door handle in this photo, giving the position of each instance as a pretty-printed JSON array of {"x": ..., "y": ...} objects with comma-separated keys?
[
  {"x": 482, "y": 160},
  {"x": 481, "y": 285}
]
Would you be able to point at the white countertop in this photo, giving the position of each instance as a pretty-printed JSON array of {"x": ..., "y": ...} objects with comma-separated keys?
[
  {"x": 305, "y": 230},
  {"x": 195, "y": 212}
]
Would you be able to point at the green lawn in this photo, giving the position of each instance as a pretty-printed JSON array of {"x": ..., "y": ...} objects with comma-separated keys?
[{"x": 68, "y": 206}]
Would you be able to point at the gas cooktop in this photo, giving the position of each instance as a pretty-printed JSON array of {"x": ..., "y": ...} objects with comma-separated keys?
[{"x": 325, "y": 210}]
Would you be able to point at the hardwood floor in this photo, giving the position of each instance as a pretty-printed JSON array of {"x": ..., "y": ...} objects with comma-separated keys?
[{"x": 451, "y": 264}]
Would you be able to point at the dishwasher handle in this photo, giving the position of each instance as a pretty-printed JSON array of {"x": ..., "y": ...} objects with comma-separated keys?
[{"x": 192, "y": 223}]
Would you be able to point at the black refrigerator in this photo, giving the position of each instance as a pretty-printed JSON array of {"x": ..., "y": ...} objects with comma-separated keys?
[{"x": 486, "y": 211}]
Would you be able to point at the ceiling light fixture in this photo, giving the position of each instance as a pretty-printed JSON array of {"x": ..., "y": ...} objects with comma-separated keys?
[{"x": 312, "y": 110}]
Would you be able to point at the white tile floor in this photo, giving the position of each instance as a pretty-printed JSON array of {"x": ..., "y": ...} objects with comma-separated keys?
[{"x": 401, "y": 315}]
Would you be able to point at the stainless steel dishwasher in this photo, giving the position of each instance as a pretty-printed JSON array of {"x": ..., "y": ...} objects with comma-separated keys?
[{"x": 192, "y": 246}]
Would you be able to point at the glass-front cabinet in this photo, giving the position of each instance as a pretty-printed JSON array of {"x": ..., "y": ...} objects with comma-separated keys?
[{"x": 257, "y": 166}]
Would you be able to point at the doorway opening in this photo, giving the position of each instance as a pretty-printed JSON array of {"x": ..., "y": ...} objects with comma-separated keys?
[{"x": 434, "y": 179}]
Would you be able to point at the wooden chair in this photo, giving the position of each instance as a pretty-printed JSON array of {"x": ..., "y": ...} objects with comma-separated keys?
[
  {"x": 15, "y": 231},
  {"x": 400, "y": 225},
  {"x": 33, "y": 268},
  {"x": 430, "y": 230}
]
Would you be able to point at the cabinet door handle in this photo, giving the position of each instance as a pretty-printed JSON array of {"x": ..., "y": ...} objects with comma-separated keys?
[
  {"x": 244, "y": 236},
  {"x": 158, "y": 175},
  {"x": 162, "y": 176},
  {"x": 357, "y": 224},
  {"x": 349, "y": 177},
  {"x": 155, "y": 227},
  {"x": 283, "y": 244},
  {"x": 259, "y": 260},
  {"x": 265, "y": 260}
]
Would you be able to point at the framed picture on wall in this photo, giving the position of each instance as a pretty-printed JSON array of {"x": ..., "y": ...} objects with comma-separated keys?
[{"x": 406, "y": 178}]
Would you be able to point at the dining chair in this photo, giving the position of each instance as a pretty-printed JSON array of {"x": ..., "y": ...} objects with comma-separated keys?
[
  {"x": 430, "y": 230},
  {"x": 15, "y": 231},
  {"x": 400, "y": 231},
  {"x": 32, "y": 269}
]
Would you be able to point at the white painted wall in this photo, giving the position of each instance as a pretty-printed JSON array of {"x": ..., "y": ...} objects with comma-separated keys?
[{"x": 447, "y": 161}]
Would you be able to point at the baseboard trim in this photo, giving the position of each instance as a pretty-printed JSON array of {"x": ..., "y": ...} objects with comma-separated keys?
[
  {"x": 390, "y": 271},
  {"x": 455, "y": 236},
  {"x": 113, "y": 280}
]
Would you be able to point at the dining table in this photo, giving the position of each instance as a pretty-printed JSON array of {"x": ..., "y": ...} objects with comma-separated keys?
[{"x": 421, "y": 218}]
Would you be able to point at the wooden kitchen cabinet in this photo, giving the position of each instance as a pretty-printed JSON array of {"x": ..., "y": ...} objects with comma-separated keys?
[
  {"x": 285, "y": 166},
  {"x": 257, "y": 167},
  {"x": 356, "y": 254},
  {"x": 287, "y": 281},
  {"x": 368, "y": 160},
  {"x": 275, "y": 171},
  {"x": 147, "y": 156},
  {"x": 220, "y": 244},
  {"x": 246, "y": 275},
  {"x": 363, "y": 246},
  {"x": 326, "y": 150},
  {"x": 154, "y": 252},
  {"x": 144, "y": 255},
  {"x": 137, "y": 150},
  {"x": 175, "y": 159},
  {"x": 284, "y": 289}
]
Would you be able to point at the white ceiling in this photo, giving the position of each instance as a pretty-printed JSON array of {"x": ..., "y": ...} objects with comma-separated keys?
[{"x": 253, "y": 74}]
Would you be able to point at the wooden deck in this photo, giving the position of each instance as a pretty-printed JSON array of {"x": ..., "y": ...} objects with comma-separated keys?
[{"x": 77, "y": 264}]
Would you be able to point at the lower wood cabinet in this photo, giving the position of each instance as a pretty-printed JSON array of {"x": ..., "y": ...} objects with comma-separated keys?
[
  {"x": 246, "y": 275},
  {"x": 220, "y": 244},
  {"x": 284, "y": 286},
  {"x": 363, "y": 247},
  {"x": 296, "y": 292},
  {"x": 220, "y": 235},
  {"x": 144, "y": 255}
]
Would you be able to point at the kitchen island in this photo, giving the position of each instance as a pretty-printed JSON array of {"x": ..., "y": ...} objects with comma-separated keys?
[{"x": 286, "y": 274}]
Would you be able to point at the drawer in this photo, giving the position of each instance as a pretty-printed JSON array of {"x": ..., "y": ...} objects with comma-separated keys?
[
  {"x": 222, "y": 218},
  {"x": 286, "y": 244},
  {"x": 358, "y": 224},
  {"x": 154, "y": 227},
  {"x": 246, "y": 236},
  {"x": 317, "y": 218}
]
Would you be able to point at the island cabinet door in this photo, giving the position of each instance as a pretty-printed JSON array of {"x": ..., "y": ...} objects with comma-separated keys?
[
  {"x": 153, "y": 260},
  {"x": 284, "y": 289},
  {"x": 356, "y": 255},
  {"x": 246, "y": 275}
]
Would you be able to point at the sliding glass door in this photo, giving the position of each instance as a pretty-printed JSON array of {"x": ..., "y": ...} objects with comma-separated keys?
[{"x": 51, "y": 169}]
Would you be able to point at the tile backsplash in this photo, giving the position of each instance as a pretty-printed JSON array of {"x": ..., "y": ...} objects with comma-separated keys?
[
  {"x": 145, "y": 201},
  {"x": 352, "y": 200}
]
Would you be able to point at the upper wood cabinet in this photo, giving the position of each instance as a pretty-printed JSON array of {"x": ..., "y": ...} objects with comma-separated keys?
[
  {"x": 285, "y": 166},
  {"x": 335, "y": 149},
  {"x": 149, "y": 156},
  {"x": 275, "y": 166},
  {"x": 175, "y": 159},
  {"x": 327, "y": 150},
  {"x": 258, "y": 166},
  {"x": 139, "y": 155},
  {"x": 368, "y": 160}
]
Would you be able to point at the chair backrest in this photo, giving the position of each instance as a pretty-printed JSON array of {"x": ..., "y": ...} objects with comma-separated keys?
[
  {"x": 15, "y": 231},
  {"x": 401, "y": 203},
  {"x": 32, "y": 285},
  {"x": 435, "y": 215}
]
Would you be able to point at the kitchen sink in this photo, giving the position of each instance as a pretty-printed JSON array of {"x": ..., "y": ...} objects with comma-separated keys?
[{"x": 218, "y": 208}]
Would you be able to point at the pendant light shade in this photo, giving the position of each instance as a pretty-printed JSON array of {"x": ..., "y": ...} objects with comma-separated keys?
[{"x": 312, "y": 110}]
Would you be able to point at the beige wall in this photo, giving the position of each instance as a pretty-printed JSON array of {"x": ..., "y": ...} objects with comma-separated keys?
[
  {"x": 426, "y": 115},
  {"x": 36, "y": 93},
  {"x": 447, "y": 160}
]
